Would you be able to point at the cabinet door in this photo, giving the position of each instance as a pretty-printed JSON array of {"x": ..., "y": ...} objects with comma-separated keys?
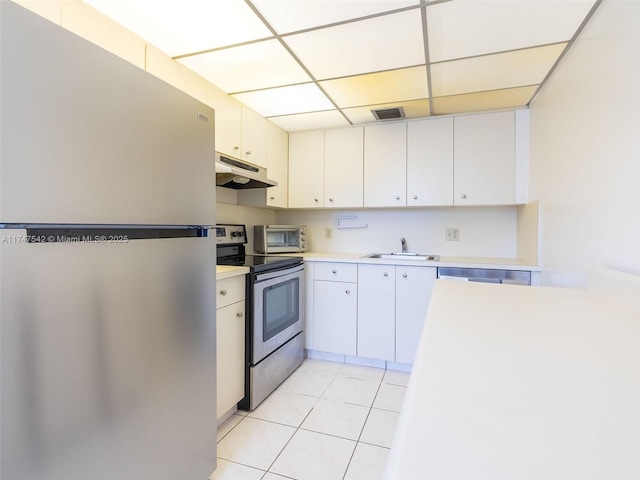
[
  {"x": 376, "y": 311},
  {"x": 254, "y": 137},
  {"x": 228, "y": 120},
  {"x": 334, "y": 317},
  {"x": 430, "y": 162},
  {"x": 230, "y": 356},
  {"x": 306, "y": 169},
  {"x": 343, "y": 167},
  {"x": 413, "y": 292},
  {"x": 385, "y": 165},
  {"x": 484, "y": 162},
  {"x": 277, "y": 165}
]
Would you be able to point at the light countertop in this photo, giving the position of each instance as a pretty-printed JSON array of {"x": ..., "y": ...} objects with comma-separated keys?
[
  {"x": 522, "y": 383},
  {"x": 226, "y": 271},
  {"x": 445, "y": 261}
]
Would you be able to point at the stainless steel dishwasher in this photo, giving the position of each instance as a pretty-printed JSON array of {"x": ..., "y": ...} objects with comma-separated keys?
[{"x": 486, "y": 275}]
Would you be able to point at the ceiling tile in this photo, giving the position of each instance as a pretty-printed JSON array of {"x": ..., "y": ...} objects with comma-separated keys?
[
  {"x": 383, "y": 43},
  {"x": 412, "y": 109},
  {"x": 286, "y": 100},
  {"x": 293, "y": 15},
  {"x": 493, "y": 72},
  {"x": 178, "y": 27},
  {"x": 249, "y": 67},
  {"x": 476, "y": 102},
  {"x": 382, "y": 87},
  {"x": 310, "y": 121},
  {"x": 469, "y": 28}
]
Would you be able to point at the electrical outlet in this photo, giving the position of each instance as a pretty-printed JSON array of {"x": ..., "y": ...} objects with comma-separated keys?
[
  {"x": 452, "y": 234},
  {"x": 328, "y": 233}
]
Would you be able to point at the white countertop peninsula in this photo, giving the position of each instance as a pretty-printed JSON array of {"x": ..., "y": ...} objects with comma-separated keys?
[{"x": 522, "y": 383}]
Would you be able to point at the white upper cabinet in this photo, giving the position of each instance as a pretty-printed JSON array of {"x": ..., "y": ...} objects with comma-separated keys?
[
  {"x": 430, "y": 162},
  {"x": 240, "y": 132},
  {"x": 485, "y": 158},
  {"x": 254, "y": 137},
  {"x": 277, "y": 169},
  {"x": 277, "y": 165},
  {"x": 228, "y": 124},
  {"x": 385, "y": 165},
  {"x": 306, "y": 169},
  {"x": 343, "y": 167}
]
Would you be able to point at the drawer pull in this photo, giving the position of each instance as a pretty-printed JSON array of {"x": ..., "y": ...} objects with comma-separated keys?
[
  {"x": 334, "y": 271},
  {"x": 404, "y": 275},
  {"x": 385, "y": 274},
  {"x": 223, "y": 292},
  {"x": 347, "y": 292},
  {"x": 239, "y": 314}
]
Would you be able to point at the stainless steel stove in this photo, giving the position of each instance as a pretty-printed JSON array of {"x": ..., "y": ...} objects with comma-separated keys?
[{"x": 274, "y": 313}]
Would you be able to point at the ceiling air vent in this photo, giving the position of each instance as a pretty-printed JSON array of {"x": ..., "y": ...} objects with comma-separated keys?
[{"x": 388, "y": 113}]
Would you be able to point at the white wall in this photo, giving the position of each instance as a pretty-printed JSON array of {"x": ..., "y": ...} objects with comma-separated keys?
[
  {"x": 489, "y": 232},
  {"x": 585, "y": 151}
]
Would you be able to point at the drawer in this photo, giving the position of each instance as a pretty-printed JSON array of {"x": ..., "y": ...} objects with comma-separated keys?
[
  {"x": 338, "y": 272},
  {"x": 230, "y": 290}
]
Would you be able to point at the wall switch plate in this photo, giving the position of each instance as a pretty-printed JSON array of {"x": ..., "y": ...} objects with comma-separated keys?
[
  {"x": 452, "y": 234},
  {"x": 328, "y": 233}
]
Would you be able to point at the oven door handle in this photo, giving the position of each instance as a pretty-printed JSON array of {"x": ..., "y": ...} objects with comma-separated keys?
[{"x": 261, "y": 277}]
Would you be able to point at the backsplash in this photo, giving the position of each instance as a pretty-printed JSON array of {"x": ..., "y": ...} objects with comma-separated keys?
[{"x": 484, "y": 231}]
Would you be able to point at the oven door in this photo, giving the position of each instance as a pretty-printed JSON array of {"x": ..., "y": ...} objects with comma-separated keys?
[{"x": 277, "y": 309}]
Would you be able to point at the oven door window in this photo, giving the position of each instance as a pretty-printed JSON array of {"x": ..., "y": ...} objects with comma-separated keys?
[{"x": 281, "y": 307}]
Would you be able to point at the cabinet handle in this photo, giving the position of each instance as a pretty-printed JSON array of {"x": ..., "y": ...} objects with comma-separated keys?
[
  {"x": 385, "y": 274},
  {"x": 239, "y": 314},
  {"x": 236, "y": 148},
  {"x": 272, "y": 198},
  {"x": 223, "y": 292},
  {"x": 397, "y": 197},
  {"x": 415, "y": 197},
  {"x": 331, "y": 199},
  {"x": 464, "y": 195},
  {"x": 315, "y": 199},
  {"x": 248, "y": 152},
  {"x": 404, "y": 275},
  {"x": 334, "y": 271},
  {"x": 348, "y": 292}
]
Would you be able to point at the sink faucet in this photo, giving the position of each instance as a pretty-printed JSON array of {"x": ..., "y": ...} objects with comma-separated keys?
[{"x": 404, "y": 245}]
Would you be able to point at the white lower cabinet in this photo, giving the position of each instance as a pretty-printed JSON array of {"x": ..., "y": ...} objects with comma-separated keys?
[
  {"x": 335, "y": 307},
  {"x": 413, "y": 292},
  {"x": 368, "y": 310},
  {"x": 376, "y": 311},
  {"x": 230, "y": 344}
]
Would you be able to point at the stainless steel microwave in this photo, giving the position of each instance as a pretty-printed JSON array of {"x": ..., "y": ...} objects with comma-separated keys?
[{"x": 279, "y": 238}]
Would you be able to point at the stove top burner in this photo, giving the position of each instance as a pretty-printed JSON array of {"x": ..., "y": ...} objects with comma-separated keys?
[{"x": 260, "y": 263}]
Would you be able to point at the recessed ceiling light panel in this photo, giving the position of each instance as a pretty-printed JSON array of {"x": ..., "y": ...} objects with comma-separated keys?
[
  {"x": 286, "y": 100},
  {"x": 178, "y": 27}
]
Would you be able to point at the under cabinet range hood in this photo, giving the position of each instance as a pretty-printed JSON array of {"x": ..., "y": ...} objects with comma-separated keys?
[{"x": 238, "y": 174}]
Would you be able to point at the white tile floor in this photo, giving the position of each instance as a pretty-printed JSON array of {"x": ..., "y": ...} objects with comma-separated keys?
[{"x": 327, "y": 421}]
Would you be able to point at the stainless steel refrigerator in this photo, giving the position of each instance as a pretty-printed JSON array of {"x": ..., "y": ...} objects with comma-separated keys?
[{"x": 107, "y": 311}]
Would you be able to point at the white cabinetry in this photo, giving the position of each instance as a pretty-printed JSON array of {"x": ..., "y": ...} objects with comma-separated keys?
[
  {"x": 306, "y": 169},
  {"x": 335, "y": 307},
  {"x": 254, "y": 137},
  {"x": 430, "y": 162},
  {"x": 413, "y": 292},
  {"x": 240, "y": 132},
  {"x": 385, "y": 165},
  {"x": 277, "y": 169},
  {"x": 230, "y": 343},
  {"x": 343, "y": 167},
  {"x": 376, "y": 311},
  {"x": 485, "y": 159}
]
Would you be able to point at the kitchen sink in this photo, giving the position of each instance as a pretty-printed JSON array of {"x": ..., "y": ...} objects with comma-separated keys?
[{"x": 403, "y": 256}]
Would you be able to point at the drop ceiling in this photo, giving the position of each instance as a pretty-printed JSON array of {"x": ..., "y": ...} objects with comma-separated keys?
[{"x": 324, "y": 63}]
